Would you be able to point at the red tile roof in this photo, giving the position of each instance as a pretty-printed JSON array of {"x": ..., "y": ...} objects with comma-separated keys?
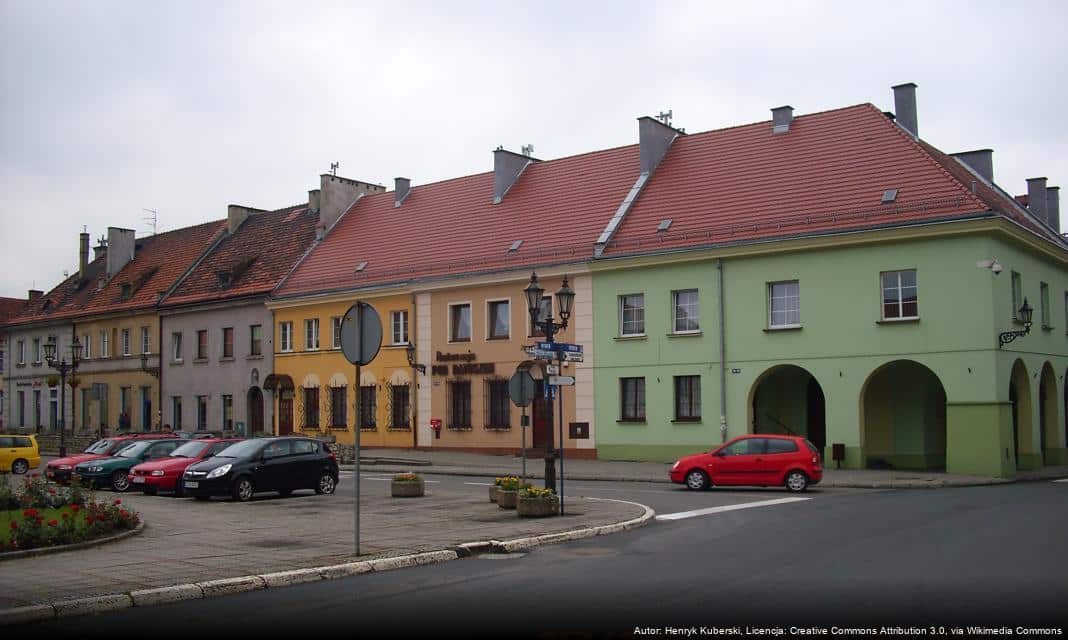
[
  {"x": 556, "y": 208},
  {"x": 259, "y": 254},
  {"x": 158, "y": 262},
  {"x": 9, "y": 307},
  {"x": 827, "y": 173}
]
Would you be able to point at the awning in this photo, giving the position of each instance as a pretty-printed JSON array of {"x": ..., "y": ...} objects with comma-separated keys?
[{"x": 278, "y": 382}]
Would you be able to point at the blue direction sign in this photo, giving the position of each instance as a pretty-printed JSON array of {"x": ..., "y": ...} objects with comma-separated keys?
[{"x": 559, "y": 346}]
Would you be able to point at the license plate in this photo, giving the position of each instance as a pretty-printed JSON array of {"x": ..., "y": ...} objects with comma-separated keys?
[
  {"x": 139, "y": 479},
  {"x": 191, "y": 484}
]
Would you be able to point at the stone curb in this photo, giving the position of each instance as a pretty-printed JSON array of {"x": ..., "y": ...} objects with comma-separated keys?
[
  {"x": 29, "y": 553},
  {"x": 979, "y": 481},
  {"x": 228, "y": 586}
]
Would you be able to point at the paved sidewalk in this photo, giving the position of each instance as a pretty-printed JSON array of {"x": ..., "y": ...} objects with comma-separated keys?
[
  {"x": 187, "y": 541},
  {"x": 480, "y": 464}
]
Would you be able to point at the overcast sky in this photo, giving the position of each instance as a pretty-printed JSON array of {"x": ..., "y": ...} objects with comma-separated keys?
[{"x": 109, "y": 108}]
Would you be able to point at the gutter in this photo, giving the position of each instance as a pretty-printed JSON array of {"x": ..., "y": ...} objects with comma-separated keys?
[{"x": 722, "y": 356}]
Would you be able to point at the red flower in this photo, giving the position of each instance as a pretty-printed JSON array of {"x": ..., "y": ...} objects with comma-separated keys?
[
  {"x": 123, "y": 513},
  {"x": 118, "y": 502},
  {"x": 52, "y": 523},
  {"x": 65, "y": 515},
  {"x": 29, "y": 513},
  {"x": 75, "y": 508},
  {"x": 39, "y": 520},
  {"x": 14, "y": 525}
]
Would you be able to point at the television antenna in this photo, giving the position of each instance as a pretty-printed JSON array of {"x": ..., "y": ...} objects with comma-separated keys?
[
  {"x": 665, "y": 117},
  {"x": 334, "y": 166},
  {"x": 152, "y": 220},
  {"x": 527, "y": 150}
]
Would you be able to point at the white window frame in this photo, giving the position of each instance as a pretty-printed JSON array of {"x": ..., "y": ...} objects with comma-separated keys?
[
  {"x": 20, "y": 347},
  {"x": 222, "y": 343},
  {"x": 1016, "y": 284},
  {"x": 311, "y": 331},
  {"x": 87, "y": 346},
  {"x": 401, "y": 338},
  {"x": 1044, "y": 314},
  {"x": 37, "y": 351},
  {"x": 105, "y": 347},
  {"x": 125, "y": 340},
  {"x": 146, "y": 340},
  {"x": 622, "y": 325},
  {"x": 252, "y": 339},
  {"x": 900, "y": 300},
  {"x": 770, "y": 303},
  {"x": 470, "y": 318},
  {"x": 176, "y": 346},
  {"x": 285, "y": 336},
  {"x": 335, "y": 332},
  {"x": 489, "y": 319},
  {"x": 202, "y": 355},
  {"x": 675, "y": 312}
]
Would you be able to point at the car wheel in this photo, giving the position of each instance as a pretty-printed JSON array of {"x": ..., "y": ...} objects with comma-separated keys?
[
  {"x": 327, "y": 484},
  {"x": 20, "y": 467},
  {"x": 119, "y": 481},
  {"x": 697, "y": 480},
  {"x": 796, "y": 481},
  {"x": 150, "y": 491},
  {"x": 179, "y": 492},
  {"x": 285, "y": 493},
  {"x": 202, "y": 498},
  {"x": 242, "y": 490}
]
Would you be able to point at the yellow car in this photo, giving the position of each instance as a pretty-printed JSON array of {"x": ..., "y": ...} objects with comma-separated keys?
[{"x": 19, "y": 454}]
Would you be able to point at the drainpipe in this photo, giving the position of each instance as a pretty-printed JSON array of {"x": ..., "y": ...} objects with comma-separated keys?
[
  {"x": 413, "y": 393},
  {"x": 159, "y": 380},
  {"x": 722, "y": 357}
]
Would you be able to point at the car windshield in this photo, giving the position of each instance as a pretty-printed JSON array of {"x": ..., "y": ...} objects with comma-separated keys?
[
  {"x": 134, "y": 450},
  {"x": 242, "y": 449},
  {"x": 100, "y": 446},
  {"x": 190, "y": 450}
]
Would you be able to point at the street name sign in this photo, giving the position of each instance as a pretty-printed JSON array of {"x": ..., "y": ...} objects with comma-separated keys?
[{"x": 562, "y": 381}]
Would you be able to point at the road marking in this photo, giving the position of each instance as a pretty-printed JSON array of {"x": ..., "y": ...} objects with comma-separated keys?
[
  {"x": 390, "y": 479},
  {"x": 1062, "y": 480},
  {"x": 481, "y": 484},
  {"x": 731, "y": 507}
]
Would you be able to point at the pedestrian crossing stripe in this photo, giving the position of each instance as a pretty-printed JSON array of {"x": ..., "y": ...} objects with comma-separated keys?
[{"x": 730, "y": 507}]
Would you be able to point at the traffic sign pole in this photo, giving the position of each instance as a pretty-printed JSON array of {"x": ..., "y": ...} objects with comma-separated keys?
[{"x": 560, "y": 362}]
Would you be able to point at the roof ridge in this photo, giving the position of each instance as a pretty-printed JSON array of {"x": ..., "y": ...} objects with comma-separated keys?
[{"x": 915, "y": 144}]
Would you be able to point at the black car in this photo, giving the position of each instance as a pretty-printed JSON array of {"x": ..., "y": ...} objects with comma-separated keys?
[{"x": 263, "y": 464}]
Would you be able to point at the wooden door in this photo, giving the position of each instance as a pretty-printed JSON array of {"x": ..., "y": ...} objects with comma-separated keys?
[{"x": 285, "y": 414}]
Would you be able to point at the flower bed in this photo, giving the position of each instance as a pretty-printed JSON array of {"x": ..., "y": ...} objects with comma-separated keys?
[
  {"x": 533, "y": 502},
  {"x": 407, "y": 485},
  {"x": 40, "y": 514}
]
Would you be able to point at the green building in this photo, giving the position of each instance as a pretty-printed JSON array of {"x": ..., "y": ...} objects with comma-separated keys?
[{"x": 833, "y": 276}]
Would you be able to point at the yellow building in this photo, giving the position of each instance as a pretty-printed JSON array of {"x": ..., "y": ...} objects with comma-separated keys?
[
  {"x": 314, "y": 386},
  {"x": 114, "y": 390}
]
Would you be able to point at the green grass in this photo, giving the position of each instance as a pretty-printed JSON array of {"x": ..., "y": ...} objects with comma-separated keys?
[{"x": 6, "y": 517}]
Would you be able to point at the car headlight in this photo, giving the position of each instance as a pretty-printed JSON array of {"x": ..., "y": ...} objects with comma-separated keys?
[
  {"x": 219, "y": 472},
  {"x": 676, "y": 465},
  {"x": 158, "y": 472},
  {"x": 63, "y": 467}
]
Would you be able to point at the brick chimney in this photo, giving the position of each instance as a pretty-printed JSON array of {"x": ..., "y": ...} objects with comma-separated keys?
[
  {"x": 34, "y": 294},
  {"x": 336, "y": 196},
  {"x": 121, "y": 247},
  {"x": 101, "y": 248},
  {"x": 1053, "y": 207},
  {"x": 1036, "y": 198},
  {"x": 507, "y": 167},
  {"x": 235, "y": 215},
  {"x": 781, "y": 117},
  {"x": 401, "y": 188},
  {"x": 980, "y": 161},
  {"x": 83, "y": 254},
  {"x": 905, "y": 108}
]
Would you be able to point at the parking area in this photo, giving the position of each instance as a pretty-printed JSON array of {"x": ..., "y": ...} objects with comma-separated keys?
[{"x": 186, "y": 540}]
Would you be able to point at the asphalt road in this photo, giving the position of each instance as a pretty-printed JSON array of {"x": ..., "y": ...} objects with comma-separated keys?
[{"x": 971, "y": 556}]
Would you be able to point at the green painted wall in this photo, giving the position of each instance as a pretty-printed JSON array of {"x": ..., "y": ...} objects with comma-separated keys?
[{"x": 841, "y": 343}]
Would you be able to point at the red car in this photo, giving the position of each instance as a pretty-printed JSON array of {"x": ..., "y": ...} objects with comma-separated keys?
[
  {"x": 759, "y": 459},
  {"x": 166, "y": 474},
  {"x": 60, "y": 469}
]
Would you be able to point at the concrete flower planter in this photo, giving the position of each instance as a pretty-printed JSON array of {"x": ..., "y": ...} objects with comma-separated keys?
[
  {"x": 538, "y": 507},
  {"x": 493, "y": 491},
  {"x": 507, "y": 499},
  {"x": 407, "y": 488}
]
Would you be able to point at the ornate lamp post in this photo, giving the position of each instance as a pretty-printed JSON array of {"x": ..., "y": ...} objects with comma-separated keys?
[
  {"x": 1024, "y": 315},
  {"x": 64, "y": 368},
  {"x": 565, "y": 300},
  {"x": 409, "y": 351}
]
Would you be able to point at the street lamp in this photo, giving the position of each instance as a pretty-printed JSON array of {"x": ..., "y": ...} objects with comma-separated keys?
[
  {"x": 409, "y": 351},
  {"x": 565, "y": 301},
  {"x": 1024, "y": 315},
  {"x": 64, "y": 368}
]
